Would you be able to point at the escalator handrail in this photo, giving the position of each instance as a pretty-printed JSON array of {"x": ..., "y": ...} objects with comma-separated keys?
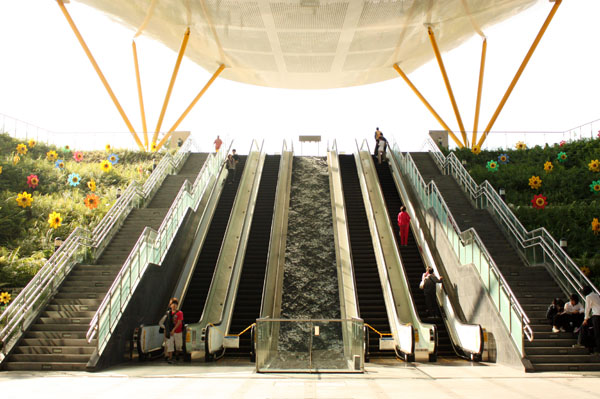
[
  {"x": 282, "y": 184},
  {"x": 461, "y": 333},
  {"x": 355, "y": 311},
  {"x": 143, "y": 251},
  {"x": 404, "y": 342}
]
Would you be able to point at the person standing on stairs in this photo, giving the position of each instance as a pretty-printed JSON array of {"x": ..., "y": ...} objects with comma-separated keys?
[
  {"x": 381, "y": 149},
  {"x": 378, "y": 134},
  {"x": 428, "y": 284},
  {"x": 403, "y": 225},
  {"x": 230, "y": 165}
]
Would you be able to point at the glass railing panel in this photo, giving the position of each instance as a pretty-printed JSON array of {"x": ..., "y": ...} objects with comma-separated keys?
[
  {"x": 327, "y": 350},
  {"x": 516, "y": 329},
  {"x": 485, "y": 272},
  {"x": 495, "y": 288},
  {"x": 505, "y": 307}
]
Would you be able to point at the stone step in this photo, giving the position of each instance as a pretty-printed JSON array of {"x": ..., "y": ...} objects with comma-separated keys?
[
  {"x": 554, "y": 350},
  {"x": 567, "y": 358},
  {"x": 80, "y": 303},
  {"x": 545, "y": 343},
  {"x": 64, "y": 320},
  {"x": 67, "y": 314},
  {"x": 49, "y": 366},
  {"x": 49, "y": 358},
  {"x": 566, "y": 366},
  {"x": 68, "y": 309},
  {"x": 53, "y": 335},
  {"x": 60, "y": 327},
  {"x": 55, "y": 350},
  {"x": 57, "y": 342}
]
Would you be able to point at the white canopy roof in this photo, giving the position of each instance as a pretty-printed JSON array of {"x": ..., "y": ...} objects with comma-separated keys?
[{"x": 309, "y": 44}]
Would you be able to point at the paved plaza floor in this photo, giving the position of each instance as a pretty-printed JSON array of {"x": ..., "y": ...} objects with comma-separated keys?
[{"x": 238, "y": 379}]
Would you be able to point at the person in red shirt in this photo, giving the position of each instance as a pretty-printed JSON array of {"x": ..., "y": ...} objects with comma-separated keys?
[
  {"x": 404, "y": 225},
  {"x": 175, "y": 338},
  {"x": 218, "y": 142}
]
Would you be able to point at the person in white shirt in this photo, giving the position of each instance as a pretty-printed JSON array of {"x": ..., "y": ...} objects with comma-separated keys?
[
  {"x": 591, "y": 319},
  {"x": 571, "y": 316}
]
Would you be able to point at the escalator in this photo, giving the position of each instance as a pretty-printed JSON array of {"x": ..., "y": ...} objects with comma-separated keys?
[
  {"x": 368, "y": 285},
  {"x": 414, "y": 267},
  {"x": 249, "y": 291},
  {"x": 197, "y": 291}
]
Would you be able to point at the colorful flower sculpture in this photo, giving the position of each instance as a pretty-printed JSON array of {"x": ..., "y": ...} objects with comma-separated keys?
[
  {"x": 595, "y": 187},
  {"x": 0, "y": 169},
  {"x": 594, "y": 165},
  {"x": 548, "y": 167},
  {"x": 92, "y": 185},
  {"x": 52, "y": 155},
  {"x": 67, "y": 148},
  {"x": 54, "y": 220},
  {"x": 562, "y": 156},
  {"x": 24, "y": 199},
  {"x": 539, "y": 201},
  {"x": 585, "y": 270},
  {"x": 21, "y": 149},
  {"x": 153, "y": 148},
  {"x": 16, "y": 159},
  {"x": 105, "y": 166},
  {"x": 503, "y": 158},
  {"x": 521, "y": 145},
  {"x": 5, "y": 298},
  {"x": 113, "y": 158},
  {"x": 107, "y": 147},
  {"x": 60, "y": 164},
  {"x": 492, "y": 166},
  {"x": 74, "y": 179},
  {"x": 31, "y": 143},
  {"x": 33, "y": 181},
  {"x": 91, "y": 201},
  {"x": 595, "y": 226},
  {"x": 535, "y": 182},
  {"x": 78, "y": 156},
  {"x": 562, "y": 142}
]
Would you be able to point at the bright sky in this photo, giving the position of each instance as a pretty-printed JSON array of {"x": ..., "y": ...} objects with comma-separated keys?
[{"x": 46, "y": 80}]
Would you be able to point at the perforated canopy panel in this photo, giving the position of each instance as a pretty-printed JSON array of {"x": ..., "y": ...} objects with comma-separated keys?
[{"x": 309, "y": 44}]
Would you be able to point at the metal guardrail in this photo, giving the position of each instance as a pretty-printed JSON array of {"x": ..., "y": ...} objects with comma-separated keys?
[
  {"x": 537, "y": 246},
  {"x": 80, "y": 244},
  {"x": 469, "y": 248},
  {"x": 151, "y": 247}
]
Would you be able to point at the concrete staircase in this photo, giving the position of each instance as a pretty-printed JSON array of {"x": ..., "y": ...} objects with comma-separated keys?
[
  {"x": 534, "y": 287},
  {"x": 56, "y": 341}
]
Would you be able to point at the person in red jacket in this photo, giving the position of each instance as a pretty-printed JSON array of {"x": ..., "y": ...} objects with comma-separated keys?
[{"x": 404, "y": 225}]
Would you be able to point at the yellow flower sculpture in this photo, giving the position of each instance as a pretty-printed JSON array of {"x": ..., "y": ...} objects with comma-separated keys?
[
  {"x": 535, "y": 182},
  {"x": 548, "y": 167},
  {"x": 594, "y": 166},
  {"x": 51, "y": 156},
  {"x": 521, "y": 145},
  {"x": 16, "y": 159},
  {"x": 107, "y": 147},
  {"x": 31, "y": 143},
  {"x": 595, "y": 226},
  {"x": 92, "y": 185},
  {"x": 21, "y": 149},
  {"x": 5, "y": 298},
  {"x": 24, "y": 199},
  {"x": 0, "y": 169},
  {"x": 153, "y": 147},
  {"x": 106, "y": 166},
  {"x": 585, "y": 270},
  {"x": 54, "y": 220}
]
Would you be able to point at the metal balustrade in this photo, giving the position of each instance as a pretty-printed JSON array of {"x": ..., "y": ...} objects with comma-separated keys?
[
  {"x": 469, "y": 248},
  {"x": 81, "y": 245}
]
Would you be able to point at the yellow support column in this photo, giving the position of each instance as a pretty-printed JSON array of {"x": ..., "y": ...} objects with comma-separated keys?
[
  {"x": 428, "y": 106},
  {"x": 520, "y": 71},
  {"x": 189, "y": 108},
  {"x": 99, "y": 72},
  {"x": 479, "y": 88},
  {"x": 438, "y": 57},
  {"x": 140, "y": 97},
  {"x": 186, "y": 37}
]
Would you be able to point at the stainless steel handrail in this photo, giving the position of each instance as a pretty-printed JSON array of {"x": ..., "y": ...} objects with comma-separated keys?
[
  {"x": 431, "y": 188},
  {"x": 523, "y": 238},
  {"x": 73, "y": 250}
]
